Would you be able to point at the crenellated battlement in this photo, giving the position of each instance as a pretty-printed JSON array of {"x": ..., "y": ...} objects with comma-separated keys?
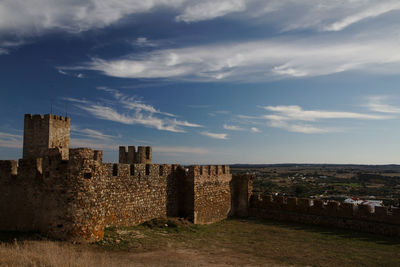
[
  {"x": 208, "y": 170},
  {"x": 143, "y": 155},
  {"x": 330, "y": 213},
  {"x": 71, "y": 194},
  {"x": 210, "y": 192},
  {"x": 44, "y": 118},
  {"x": 138, "y": 170},
  {"x": 44, "y": 132}
]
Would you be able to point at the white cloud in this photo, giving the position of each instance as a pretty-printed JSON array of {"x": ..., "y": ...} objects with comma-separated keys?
[
  {"x": 135, "y": 112},
  {"x": 292, "y": 118},
  {"x": 254, "y": 130},
  {"x": 20, "y": 20},
  {"x": 10, "y": 140},
  {"x": 35, "y": 16},
  {"x": 232, "y": 127},
  {"x": 108, "y": 113},
  {"x": 75, "y": 100},
  {"x": 376, "y": 103},
  {"x": 77, "y": 75},
  {"x": 319, "y": 15},
  {"x": 285, "y": 113},
  {"x": 62, "y": 72},
  {"x": 259, "y": 60},
  {"x": 180, "y": 149},
  {"x": 90, "y": 133},
  {"x": 144, "y": 42},
  {"x": 298, "y": 128},
  {"x": 131, "y": 103},
  {"x": 377, "y": 9},
  {"x": 215, "y": 135},
  {"x": 210, "y": 9}
]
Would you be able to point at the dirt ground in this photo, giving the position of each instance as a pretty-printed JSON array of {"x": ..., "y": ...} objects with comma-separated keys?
[{"x": 229, "y": 243}]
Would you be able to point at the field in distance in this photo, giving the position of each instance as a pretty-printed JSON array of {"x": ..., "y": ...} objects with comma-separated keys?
[
  {"x": 327, "y": 181},
  {"x": 234, "y": 242}
]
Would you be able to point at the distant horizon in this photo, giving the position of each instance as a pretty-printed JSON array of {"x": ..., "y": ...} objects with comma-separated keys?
[{"x": 208, "y": 81}]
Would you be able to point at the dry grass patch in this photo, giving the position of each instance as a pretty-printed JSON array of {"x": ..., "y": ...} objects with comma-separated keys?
[
  {"x": 233, "y": 242},
  {"x": 49, "y": 253}
]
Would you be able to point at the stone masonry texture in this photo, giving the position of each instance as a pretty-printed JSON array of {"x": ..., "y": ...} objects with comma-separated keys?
[
  {"x": 44, "y": 132},
  {"x": 70, "y": 194},
  {"x": 332, "y": 214}
]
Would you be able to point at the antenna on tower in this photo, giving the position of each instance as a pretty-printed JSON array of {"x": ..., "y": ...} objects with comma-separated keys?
[
  {"x": 66, "y": 102},
  {"x": 52, "y": 99}
]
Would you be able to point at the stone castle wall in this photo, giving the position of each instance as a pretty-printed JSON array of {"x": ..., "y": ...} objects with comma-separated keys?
[
  {"x": 36, "y": 197},
  {"x": 210, "y": 193},
  {"x": 76, "y": 199},
  {"x": 333, "y": 214},
  {"x": 71, "y": 194},
  {"x": 241, "y": 188}
]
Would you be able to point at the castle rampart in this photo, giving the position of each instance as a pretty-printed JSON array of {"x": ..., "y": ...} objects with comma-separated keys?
[
  {"x": 210, "y": 193},
  {"x": 76, "y": 197},
  {"x": 332, "y": 213},
  {"x": 71, "y": 194}
]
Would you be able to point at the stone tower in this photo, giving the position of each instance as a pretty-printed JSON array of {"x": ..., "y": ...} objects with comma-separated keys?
[{"x": 44, "y": 132}]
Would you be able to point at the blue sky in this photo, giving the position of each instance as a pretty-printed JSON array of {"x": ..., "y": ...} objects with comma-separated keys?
[{"x": 229, "y": 81}]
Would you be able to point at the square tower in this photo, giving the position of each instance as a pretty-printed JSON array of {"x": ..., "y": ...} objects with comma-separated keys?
[{"x": 44, "y": 132}]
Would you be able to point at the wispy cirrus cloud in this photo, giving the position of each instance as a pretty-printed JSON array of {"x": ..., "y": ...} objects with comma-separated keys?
[
  {"x": 240, "y": 128},
  {"x": 11, "y": 140},
  {"x": 255, "y": 130},
  {"x": 95, "y": 139},
  {"x": 232, "y": 127},
  {"x": 77, "y": 75},
  {"x": 95, "y": 134},
  {"x": 321, "y": 16},
  {"x": 378, "y": 104},
  {"x": 31, "y": 18},
  {"x": 144, "y": 42},
  {"x": 20, "y": 20},
  {"x": 370, "y": 11},
  {"x": 209, "y": 9},
  {"x": 296, "y": 119},
  {"x": 269, "y": 59},
  {"x": 131, "y": 103},
  {"x": 287, "y": 113},
  {"x": 134, "y": 112},
  {"x": 215, "y": 135}
]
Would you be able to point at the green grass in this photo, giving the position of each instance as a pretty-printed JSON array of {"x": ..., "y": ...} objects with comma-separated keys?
[{"x": 260, "y": 240}]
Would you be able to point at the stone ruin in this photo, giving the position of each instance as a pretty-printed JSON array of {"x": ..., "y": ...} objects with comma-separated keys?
[{"x": 70, "y": 194}]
